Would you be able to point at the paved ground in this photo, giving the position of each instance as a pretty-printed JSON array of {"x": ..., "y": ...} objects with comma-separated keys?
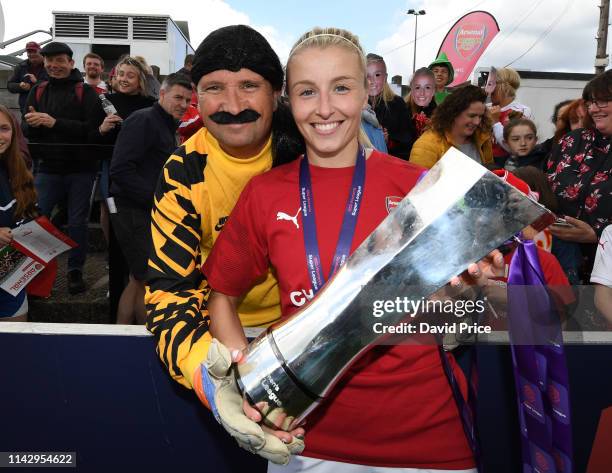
[{"x": 91, "y": 306}]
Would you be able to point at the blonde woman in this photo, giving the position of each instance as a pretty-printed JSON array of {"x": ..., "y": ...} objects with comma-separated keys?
[
  {"x": 421, "y": 99},
  {"x": 130, "y": 95},
  {"x": 153, "y": 85},
  {"x": 391, "y": 111},
  {"x": 327, "y": 89}
]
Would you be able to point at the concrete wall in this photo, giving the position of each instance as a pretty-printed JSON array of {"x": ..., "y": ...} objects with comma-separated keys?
[{"x": 541, "y": 95}]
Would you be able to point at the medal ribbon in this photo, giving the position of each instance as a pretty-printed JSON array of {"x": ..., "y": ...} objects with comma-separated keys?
[
  {"x": 349, "y": 222},
  {"x": 540, "y": 369}
]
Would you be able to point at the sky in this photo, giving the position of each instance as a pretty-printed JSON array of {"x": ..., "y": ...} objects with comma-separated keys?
[{"x": 556, "y": 35}]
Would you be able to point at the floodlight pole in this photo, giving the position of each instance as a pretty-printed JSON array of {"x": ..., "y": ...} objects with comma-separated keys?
[{"x": 416, "y": 25}]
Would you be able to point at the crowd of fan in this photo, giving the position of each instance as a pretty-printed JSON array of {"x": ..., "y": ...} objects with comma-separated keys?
[{"x": 112, "y": 135}]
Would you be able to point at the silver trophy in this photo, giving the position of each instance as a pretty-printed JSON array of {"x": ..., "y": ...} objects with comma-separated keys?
[{"x": 457, "y": 214}]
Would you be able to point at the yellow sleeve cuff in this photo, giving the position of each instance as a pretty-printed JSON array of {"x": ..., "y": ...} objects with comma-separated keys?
[{"x": 197, "y": 355}]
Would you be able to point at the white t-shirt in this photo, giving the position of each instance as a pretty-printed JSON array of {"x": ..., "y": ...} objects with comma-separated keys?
[{"x": 602, "y": 269}]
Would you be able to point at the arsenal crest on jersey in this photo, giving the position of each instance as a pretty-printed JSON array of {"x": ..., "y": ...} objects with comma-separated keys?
[{"x": 391, "y": 202}]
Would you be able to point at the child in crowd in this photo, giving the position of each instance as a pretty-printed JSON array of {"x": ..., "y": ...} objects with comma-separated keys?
[
  {"x": 521, "y": 137},
  {"x": 537, "y": 182},
  {"x": 17, "y": 202},
  {"x": 554, "y": 277}
]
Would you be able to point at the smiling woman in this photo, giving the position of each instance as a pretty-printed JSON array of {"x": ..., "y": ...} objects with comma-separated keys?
[
  {"x": 391, "y": 111},
  {"x": 580, "y": 173},
  {"x": 421, "y": 99},
  {"x": 128, "y": 97},
  {"x": 460, "y": 121},
  {"x": 17, "y": 201},
  {"x": 347, "y": 187},
  {"x": 327, "y": 107}
]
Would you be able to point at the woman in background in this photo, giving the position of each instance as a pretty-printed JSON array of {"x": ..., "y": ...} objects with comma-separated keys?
[
  {"x": 580, "y": 173},
  {"x": 460, "y": 121},
  {"x": 572, "y": 117},
  {"x": 17, "y": 202},
  {"x": 130, "y": 95},
  {"x": 391, "y": 111},
  {"x": 420, "y": 100},
  {"x": 152, "y": 84}
]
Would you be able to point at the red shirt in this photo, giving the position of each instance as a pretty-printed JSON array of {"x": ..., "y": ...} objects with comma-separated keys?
[{"x": 394, "y": 407}]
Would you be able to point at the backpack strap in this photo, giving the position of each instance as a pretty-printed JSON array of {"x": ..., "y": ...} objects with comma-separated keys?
[
  {"x": 40, "y": 89},
  {"x": 78, "y": 90}
]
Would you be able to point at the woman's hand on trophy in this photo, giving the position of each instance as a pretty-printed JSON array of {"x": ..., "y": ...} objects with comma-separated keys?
[
  {"x": 216, "y": 386},
  {"x": 481, "y": 274}
]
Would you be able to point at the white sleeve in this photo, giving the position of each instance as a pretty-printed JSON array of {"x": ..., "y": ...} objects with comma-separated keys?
[
  {"x": 498, "y": 133},
  {"x": 527, "y": 112},
  {"x": 602, "y": 269}
]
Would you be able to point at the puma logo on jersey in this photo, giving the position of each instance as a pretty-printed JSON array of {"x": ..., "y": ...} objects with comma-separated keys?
[
  {"x": 220, "y": 223},
  {"x": 284, "y": 216},
  {"x": 602, "y": 244}
]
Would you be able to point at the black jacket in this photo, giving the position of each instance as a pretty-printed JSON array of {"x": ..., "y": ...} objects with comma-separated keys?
[
  {"x": 145, "y": 142},
  {"x": 21, "y": 69},
  {"x": 60, "y": 100},
  {"x": 125, "y": 105},
  {"x": 396, "y": 117},
  {"x": 537, "y": 158}
]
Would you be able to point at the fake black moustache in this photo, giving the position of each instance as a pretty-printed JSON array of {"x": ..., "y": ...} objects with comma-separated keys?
[{"x": 225, "y": 118}]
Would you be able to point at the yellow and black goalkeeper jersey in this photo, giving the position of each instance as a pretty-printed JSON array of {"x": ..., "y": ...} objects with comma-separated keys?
[{"x": 197, "y": 191}]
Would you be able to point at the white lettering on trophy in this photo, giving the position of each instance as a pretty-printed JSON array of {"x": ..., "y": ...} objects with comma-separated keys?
[{"x": 271, "y": 394}]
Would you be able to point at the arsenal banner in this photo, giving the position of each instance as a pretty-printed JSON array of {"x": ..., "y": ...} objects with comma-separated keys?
[{"x": 466, "y": 41}]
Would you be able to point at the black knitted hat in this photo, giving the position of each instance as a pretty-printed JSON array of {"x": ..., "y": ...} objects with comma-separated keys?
[{"x": 236, "y": 47}]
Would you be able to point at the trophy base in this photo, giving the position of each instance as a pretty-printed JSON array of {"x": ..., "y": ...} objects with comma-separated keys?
[{"x": 271, "y": 387}]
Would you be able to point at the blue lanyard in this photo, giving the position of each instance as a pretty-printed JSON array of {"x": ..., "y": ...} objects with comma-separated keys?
[{"x": 349, "y": 222}]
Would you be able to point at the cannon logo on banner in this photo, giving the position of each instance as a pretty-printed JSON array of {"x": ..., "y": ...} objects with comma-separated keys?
[
  {"x": 469, "y": 39},
  {"x": 465, "y": 42}
]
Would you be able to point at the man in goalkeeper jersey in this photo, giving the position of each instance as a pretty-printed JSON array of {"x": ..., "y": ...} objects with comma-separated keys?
[{"x": 239, "y": 79}]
